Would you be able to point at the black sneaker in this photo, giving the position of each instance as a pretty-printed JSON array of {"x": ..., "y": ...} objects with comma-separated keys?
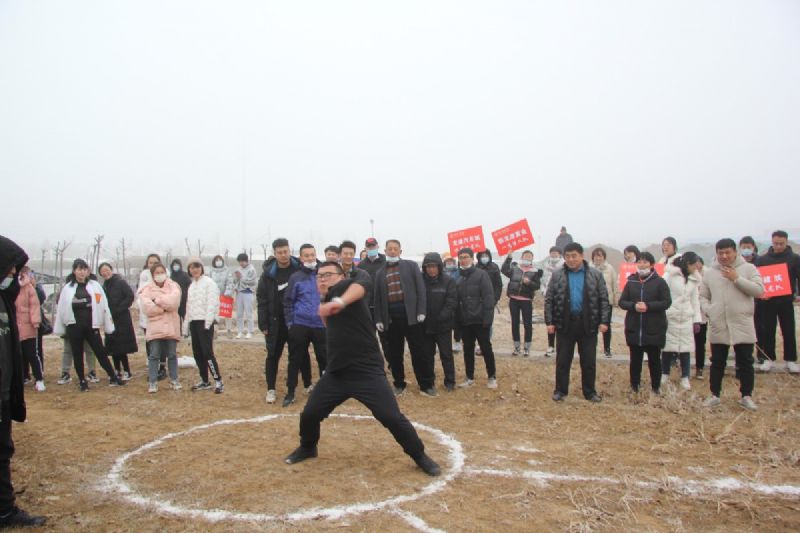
[
  {"x": 595, "y": 398},
  {"x": 64, "y": 379},
  {"x": 428, "y": 465},
  {"x": 115, "y": 382},
  {"x": 84, "y": 386},
  {"x": 92, "y": 377},
  {"x": 607, "y": 353},
  {"x": 287, "y": 401},
  {"x": 203, "y": 385},
  {"x": 19, "y": 518},
  {"x": 558, "y": 396},
  {"x": 162, "y": 373},
  {"x": 449, "y": 387},
  {"x": 430, "y": 392},
  {"x": 300, "y": 454}
]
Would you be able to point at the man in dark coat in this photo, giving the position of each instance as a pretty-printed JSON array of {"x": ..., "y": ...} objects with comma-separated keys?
[
  {"x": 576, "y": 307},
  {"x": 441, "y": 298},
  {"x": 12, "y": 393}
]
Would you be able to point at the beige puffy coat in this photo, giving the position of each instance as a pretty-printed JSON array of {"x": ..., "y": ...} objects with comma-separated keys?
[
  {"x": 612, "y": 282},
  {"x": 684, "y": 311},
  {"x": 729, "y": 305}
]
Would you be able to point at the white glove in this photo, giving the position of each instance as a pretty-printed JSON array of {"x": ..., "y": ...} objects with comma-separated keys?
[
  {"x": 420, "y": 318},
  {"x": 379, "y": 326}
]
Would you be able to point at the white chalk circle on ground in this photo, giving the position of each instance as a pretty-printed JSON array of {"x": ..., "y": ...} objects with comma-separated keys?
[{"x": 115, "y": 484}]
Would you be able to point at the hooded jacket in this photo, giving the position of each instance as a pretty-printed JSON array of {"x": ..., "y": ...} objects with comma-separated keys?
[
  {"x": 268, "y": 293},
  {"x": 413, "y": 293},
  {"x": 120, "y": 298},
  {"x": 12, "y": 255},
  {"x": 648, "y": 328},
  {"x": 684, "y": 312},
  {"x": 247, "y": 280},
  {"x": 729, "y": 304},
  {"x": 792, "y": 261},
  {"x": 596, "y": 307},
  {"x": 440, "y": 295},
  {"x": 515, "y": 275},
  {"x": 475, "y": 298},
  {"x": 101, "y": 314},
  {"x": 301, "y": 300},
  {"x": 29, "y": 311},
  {"x": 223, "y": 277},
  {"x": 202, "y": 302},
  {"x": 494, "y": 273},
  {"x": 163, "y": 321},
  {"x": 183, "y": 280}
]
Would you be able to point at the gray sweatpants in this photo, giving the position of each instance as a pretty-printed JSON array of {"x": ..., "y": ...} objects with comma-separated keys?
[{"x": 66, "y": 357}]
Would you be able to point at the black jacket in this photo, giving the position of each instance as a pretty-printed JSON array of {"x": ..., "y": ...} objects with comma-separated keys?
[
  {"x": 413, "y": 293},
  {"x": 269, "y": 302},
  {"x": 494, "y": 275},
  {"x": 648, "y": 328},
  {"x": 441, "y": 297},
  {"x": 12, "y": 255},
  {"x": 596, "y": 309},
  {"x": 515, "y": 276},
  {"x": 120, "y": 299},
  {"x": 792, "y": 261},
  {"x": 184, "y": 281},
  {"x": 475, "y": 298},
  {"x": 372, "y": 268}
]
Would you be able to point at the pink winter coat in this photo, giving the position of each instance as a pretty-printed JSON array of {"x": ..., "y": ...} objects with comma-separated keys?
[
  {"x": 28, "y": 310},
  {"x": 160, "y": 304}
]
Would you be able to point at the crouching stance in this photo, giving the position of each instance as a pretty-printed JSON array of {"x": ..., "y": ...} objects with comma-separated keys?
[{"x": 354, "y": 370}]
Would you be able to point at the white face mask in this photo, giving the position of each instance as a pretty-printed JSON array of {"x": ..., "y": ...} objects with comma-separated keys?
[
  {"x": 390, "y": 259},
  {"x": 218, "y": 264},
  {"x": 176, "y": 268},
  {"x": 484, "y": 260},
  {"x": 160, "y": 278},
  {"x": 643, "y": 272},
  {"x": 311, "y": 265}
]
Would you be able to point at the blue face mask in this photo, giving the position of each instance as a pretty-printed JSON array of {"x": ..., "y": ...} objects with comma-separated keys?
[
  {"x": 373, "y": 253},
  {"x": 747, "y": 252},
  {"x": 484, "y": 260},
  {"x": 6, "y": 283},
  {"x": 525, "y": 262}
]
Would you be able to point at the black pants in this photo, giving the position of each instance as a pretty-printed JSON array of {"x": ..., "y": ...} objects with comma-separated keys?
[
  {"x": 653, "y": 363},
  {"x": 6, "y": 452},
  {"x": 523, "y": 308},
  {"x": 276, "y": 339},
  {"x": 700, "y": 347},
  {"x": 397, "y": 334},
  {"x": 457, "y": 334},
  {"x": 772, "y": 313},
  {"x": 574, "y": 334},
  {"x": 442, "y": 341},
  {"x": 30, "y": 351},
  {"x": 551, "y": 340},
  {"x": 373, "y": 391},
  {"x": 607, "y": 340},
  {"x": 77, "y": 334},
  {"x": 121, "y": 362},
  {"x": 203, "y": 349},
  {"x": 300, "y": 337},
  {"x": 470, "y": 333},
  {"x": 744, "y": 366}
]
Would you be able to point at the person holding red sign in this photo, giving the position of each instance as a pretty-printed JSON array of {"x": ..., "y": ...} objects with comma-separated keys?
[
  {"x": 160, "y": 301},
  {"x": 524, "y": 281},
  {"x": 727, "y": 293},
  {"x": 779, "y": 309}
]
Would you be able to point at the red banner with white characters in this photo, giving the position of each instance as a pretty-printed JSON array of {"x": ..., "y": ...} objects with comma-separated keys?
[
  {"x": 466, "y": 238},
  {"x": 513, "y": 237},
  {"x": 626, "y": 269},
  {"x": 225, "y": 306},
  {"x": 776, "y": 280}
]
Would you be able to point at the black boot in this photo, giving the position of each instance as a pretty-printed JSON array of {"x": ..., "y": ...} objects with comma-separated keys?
[
  {"x": 19, "y": 518},
  {"x": 428, "y": 465},
  {"x": 300, "y": 454}
]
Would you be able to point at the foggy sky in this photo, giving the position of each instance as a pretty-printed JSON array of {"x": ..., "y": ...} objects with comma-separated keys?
[{"x": 624, "y": 121}]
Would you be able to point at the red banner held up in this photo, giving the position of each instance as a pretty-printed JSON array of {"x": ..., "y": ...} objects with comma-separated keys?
[
  {"x": 513, "y": 237},
  {"x": 225, "y": 306},
  {"x": 626, "y": 269},
  {"x": 466, "y": 238},
  {"x": 776, "y": 280}
]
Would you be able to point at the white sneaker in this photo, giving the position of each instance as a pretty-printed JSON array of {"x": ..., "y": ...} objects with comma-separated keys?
[
  {"x": 238, "y": 336},
  {"x": 467, "y": 383},
  {"x": 456, "y": 347},
  {"x": 39, "y": 386},
  {"x": 765, "y": 366},
  {"x": 249, "y": 335},
  {"x": 711, "y": 401},
  {"x": 550, "y": 352},
  {"x": 492, "y": 383},
  {"x": 308, "y": 389},
  {"x": 748, "y": 403},
  {"x": 793, "y": 367},
  {"x": 152, "y": 388},
  {"x": 664, "y": 380},
  {"x": 271, "y": 396},
  {"x": 685, "y": 384},
  {"x": 175, "y": 384}
]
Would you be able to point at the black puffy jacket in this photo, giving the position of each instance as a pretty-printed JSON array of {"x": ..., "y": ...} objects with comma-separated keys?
[
  {"x": 475, "y": 298},
  {"x": 12, "y": 255},
  {"x": 442, "y": 298},
  {"x": 515, "y": 275},
  {"x": 120, "y": 299},
  {"x": 648, "y": 328},
  {"x": 494, "y": 274},
  {"x": 596, "y": 309}
]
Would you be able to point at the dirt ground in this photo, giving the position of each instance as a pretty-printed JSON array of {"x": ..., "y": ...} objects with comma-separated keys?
[{"x": 529, "y": 464}]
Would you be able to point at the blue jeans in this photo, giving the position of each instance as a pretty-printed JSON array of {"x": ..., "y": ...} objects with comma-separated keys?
[
  {"x": 167, "y": 347},
  {"x": 667, "y": 358}
]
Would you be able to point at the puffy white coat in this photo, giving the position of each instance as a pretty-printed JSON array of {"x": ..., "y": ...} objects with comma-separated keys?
[
  {"x": 101, "y": 314},
  {"x": 684, "y": 311},
  {"x": 202, "y": 302},
  {"x": 729, "y": 305}
]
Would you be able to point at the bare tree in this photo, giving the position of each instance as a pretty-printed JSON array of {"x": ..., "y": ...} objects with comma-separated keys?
[
  {"x": 44, "y": 254},
  {"x": 266, "y": 249},
  {"x": 123, "y": 248},
  {"x": 200, "y": 249},
  {"x": 188, "y": 248},
  {"x": 95, "y": 261}
]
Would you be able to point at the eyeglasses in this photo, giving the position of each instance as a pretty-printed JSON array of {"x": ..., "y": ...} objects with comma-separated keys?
[{"x": 327, "y": 275}]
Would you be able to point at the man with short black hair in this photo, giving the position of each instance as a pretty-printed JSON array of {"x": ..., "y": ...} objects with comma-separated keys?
[
  {"x": 576, "y": 307},
  {"x": 727, "y": 293},
  {"x": 355, "y": 370},
  {"x": 779, "y": 309},
  {"x": 332, "y": 253}
]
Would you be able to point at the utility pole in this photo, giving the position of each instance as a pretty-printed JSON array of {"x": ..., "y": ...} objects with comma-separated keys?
[{"x": 371, "y": 227}]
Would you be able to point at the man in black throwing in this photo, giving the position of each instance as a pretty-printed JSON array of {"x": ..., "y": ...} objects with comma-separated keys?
[{"x": 354, "y": 370}]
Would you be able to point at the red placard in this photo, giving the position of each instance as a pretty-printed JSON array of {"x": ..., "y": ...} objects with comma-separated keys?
[
  {"x": 512, "y": 237},
  {"x": 466, "y": 238},
  {"x": 776, "y": 280},
  {"x": 626, "y": 269},
  {"x": 225, "y": 306}
]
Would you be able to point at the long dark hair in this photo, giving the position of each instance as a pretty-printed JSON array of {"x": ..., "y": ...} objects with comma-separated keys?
[
  {"x": 79, "y": 263},
  {"x": 683, "y": 262},
  {"x": 145, "y": 267}
]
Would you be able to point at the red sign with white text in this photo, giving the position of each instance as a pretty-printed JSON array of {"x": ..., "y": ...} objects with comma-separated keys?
[
  {"x": 513, "y": 237},
  {"x": 776, "y": 280},
  {"x": 225, "y": 306},
  {"x": 466, "y": 238},
  {"x": 626, "y": 269}
]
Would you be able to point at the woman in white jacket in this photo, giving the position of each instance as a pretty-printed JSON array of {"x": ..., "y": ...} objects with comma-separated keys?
[
  {"x": 202, "y": 306},
  {"x": 82, "y": 311},
  {"x": 683, "y": 316}
]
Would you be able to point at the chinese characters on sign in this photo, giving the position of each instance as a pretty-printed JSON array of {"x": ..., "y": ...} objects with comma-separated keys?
[
  {"x": 466, "y": 238},
  {"x": 513, "y": 237},
  {"x": 776, "y": 280}
]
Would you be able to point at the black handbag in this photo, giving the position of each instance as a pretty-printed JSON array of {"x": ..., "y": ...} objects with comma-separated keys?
[{"x": 45, "y": 328}]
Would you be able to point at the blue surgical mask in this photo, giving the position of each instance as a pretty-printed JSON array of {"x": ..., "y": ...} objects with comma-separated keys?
[
  {"x": 176, "y": 268},
  {"x": 525, "y": 262},
  {"x": 484, "y": 260},
  {"x": 390, "y": 259},
  {"x": 6, "y": 283},
  {"x": 747, "y": 252},
  {"x": 450, "y": 268},
  {"x": 373, "y": 253}
]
